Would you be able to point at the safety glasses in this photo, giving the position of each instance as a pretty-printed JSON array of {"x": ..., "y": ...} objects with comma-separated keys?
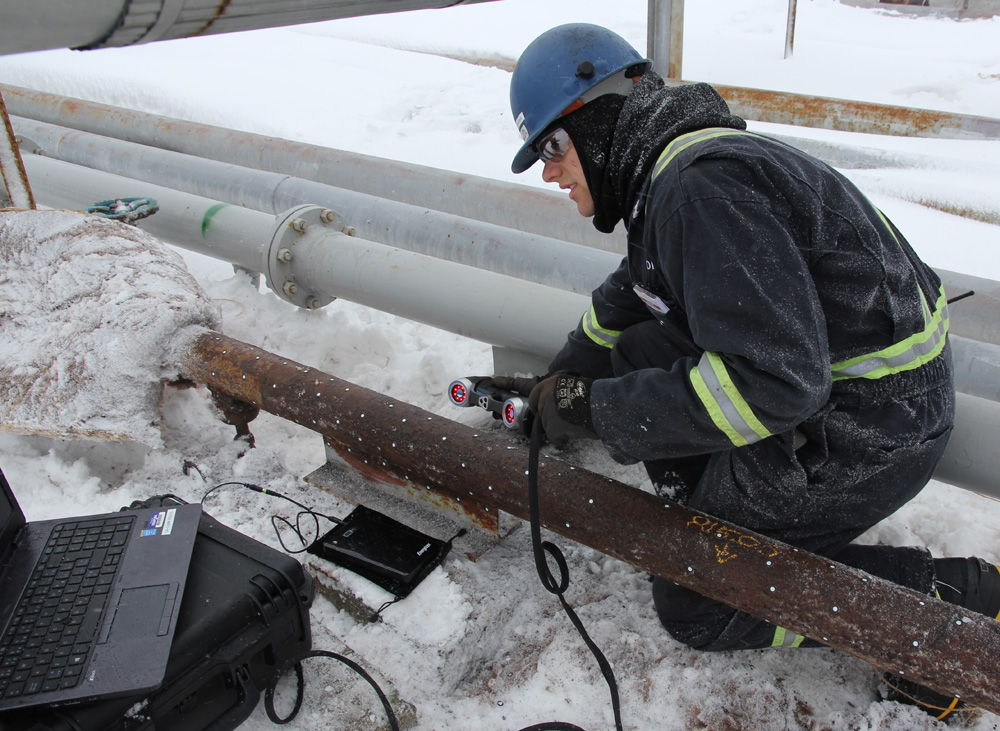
[{"x": 554, "y": 146}]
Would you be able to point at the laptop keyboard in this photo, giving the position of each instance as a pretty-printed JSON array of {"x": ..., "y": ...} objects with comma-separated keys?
[{"x": 54, "y": 626}]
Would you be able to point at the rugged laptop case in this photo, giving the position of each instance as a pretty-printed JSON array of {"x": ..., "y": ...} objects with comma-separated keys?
[{"x": 244, "y": 615}]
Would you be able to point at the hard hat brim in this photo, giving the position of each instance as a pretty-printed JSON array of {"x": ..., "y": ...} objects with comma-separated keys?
[{"x": 525, "y": 157}]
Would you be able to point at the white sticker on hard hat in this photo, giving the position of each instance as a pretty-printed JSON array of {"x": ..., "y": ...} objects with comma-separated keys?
[{"x": 520, "y": 126}]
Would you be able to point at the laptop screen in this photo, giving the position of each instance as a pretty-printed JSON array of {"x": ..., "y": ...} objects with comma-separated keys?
[{"x": 11, "y": 519}]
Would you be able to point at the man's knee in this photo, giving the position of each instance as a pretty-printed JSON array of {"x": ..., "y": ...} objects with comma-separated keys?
[
  {"x": 690, "y": 618},
  {"x": 650, "y": 344}
]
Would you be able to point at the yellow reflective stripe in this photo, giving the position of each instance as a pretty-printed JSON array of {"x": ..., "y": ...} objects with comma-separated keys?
[
  {"x": 923, "y": 298},
  {"x": 679, "y": 144},
  {"x": 784, "y": 638},
  {"x": 728, "y": 410},
  {"x": 601, "y": 335},
  {"x": 905, "y": 355}
]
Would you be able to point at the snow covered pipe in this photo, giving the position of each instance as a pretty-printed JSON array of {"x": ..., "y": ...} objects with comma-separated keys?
[
  {"x": 548, "y": 261},
  {"x": 309, "y": 259},
  {"x": 931, "y": 642},
  {"x": 36, "y": 25}
]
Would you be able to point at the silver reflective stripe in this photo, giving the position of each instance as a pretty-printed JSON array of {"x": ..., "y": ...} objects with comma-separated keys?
[
  {"x": 728, "y": 409},
  {"x": 600, "y": 335},
  {"x": 907, "y": 354}
]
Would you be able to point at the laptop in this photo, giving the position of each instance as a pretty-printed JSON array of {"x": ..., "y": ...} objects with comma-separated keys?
[{"x": 88, "y": 605}]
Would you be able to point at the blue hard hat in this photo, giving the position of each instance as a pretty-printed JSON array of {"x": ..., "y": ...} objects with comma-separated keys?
[{"x": 555, "y": 73}]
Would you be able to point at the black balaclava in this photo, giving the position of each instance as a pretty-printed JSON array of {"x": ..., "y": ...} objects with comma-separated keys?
[
  {"x": 592, "y": 129},
  {"x": 619, "y": 138}
]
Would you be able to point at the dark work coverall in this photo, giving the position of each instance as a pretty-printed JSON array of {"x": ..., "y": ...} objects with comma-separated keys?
[{"x": 775, "y": 354}]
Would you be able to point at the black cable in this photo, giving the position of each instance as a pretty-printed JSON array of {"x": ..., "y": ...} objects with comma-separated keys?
[
  {"x": 539, "y": 549},
  {"x": 276, "y": 519},
  {"x": 296, "y": 662}
]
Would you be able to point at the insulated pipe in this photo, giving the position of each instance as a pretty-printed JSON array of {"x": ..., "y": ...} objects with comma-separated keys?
[
  {"x": 316, "y": 265},
  {"x": 511, "y": 205},
  {"x": 319, "y": 262},
  {"x": 230, "y": 233},
  {"x": 545, "y": 261},
  {"x": 977, "y": 367},
  {"x": 36, "y": 25},
  {"x": 548, "y": 261},
  {"x": 910, "y": 634},
  {"x": 527, "y": 209},
  {"x": 976, "y": 317},
  {"x": 970, "y": 460}
]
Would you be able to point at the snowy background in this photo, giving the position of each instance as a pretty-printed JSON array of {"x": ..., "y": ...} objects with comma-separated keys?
[{"x": 483, "y": 645}]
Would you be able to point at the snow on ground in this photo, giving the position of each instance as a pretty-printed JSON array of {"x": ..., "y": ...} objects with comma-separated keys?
[{"x": 481, "y": 645}]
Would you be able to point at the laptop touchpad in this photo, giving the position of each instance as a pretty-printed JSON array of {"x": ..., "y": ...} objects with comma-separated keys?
[{"x": 139, "y": 612}]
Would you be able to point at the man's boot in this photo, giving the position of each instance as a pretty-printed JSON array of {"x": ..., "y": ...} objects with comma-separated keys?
[{"x": 968, "y": 582}]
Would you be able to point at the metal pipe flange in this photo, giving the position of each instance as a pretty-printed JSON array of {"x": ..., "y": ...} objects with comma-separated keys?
[{"x": 282, "y": 265}]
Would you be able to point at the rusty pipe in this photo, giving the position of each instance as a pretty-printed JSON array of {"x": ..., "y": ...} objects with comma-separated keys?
[
  {"x": 848, "y": 115},
  {"x": 928, "y": 641},
  {"x": 14, "y": 185}
]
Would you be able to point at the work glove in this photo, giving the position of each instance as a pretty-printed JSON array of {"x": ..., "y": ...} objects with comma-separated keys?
[
  {"x": 518, "y": 385},
  {"x": 562, "y": 403}
]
